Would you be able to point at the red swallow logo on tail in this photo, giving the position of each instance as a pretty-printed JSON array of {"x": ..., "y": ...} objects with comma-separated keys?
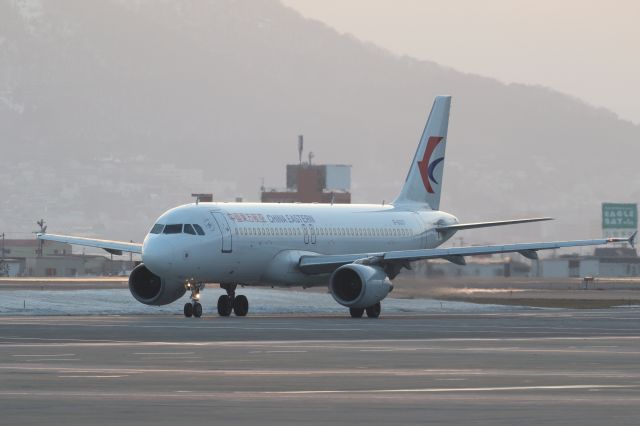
[{"x": 426, "y": 166}]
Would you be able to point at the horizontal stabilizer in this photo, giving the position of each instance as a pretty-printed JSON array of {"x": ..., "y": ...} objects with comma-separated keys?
[{"x": 461, "y": 226}]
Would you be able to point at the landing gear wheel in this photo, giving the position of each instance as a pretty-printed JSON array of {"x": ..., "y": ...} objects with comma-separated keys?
[
  {"x": 374, "y": 311},
  {"x": 197, "y": 310},
  {"x": 356, "y": 312},
  {"x": 188, "y": 310},
  {"x": 240, "y": 305},
  {"x": 193, "y": 308},
  {"x": 224, "y": 306}
]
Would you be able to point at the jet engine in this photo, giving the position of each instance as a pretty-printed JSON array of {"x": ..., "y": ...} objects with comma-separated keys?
[
  {"x": 359, "y": 286},
  {"x": 150, "y": 289}
]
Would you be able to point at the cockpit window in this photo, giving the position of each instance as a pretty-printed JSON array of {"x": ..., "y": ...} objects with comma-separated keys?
[
  {"x": 198, "y": 229},
  {"x": 173, "y": 229},
  {"x": 188, "y": 229},
  {"x": 157, "y": 228}
]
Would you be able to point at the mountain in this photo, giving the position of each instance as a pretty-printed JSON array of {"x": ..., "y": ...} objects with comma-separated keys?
[{"x": 112, "y": 111}]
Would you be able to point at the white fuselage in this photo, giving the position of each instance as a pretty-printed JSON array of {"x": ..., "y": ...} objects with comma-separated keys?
[{"x": 260, "y": 244}]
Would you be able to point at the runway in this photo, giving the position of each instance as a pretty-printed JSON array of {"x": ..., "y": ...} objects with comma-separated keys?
[{"x": 574, "y": 367}]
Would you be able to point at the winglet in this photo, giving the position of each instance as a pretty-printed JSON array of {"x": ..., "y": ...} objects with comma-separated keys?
[{"x": 632, "y": 239}]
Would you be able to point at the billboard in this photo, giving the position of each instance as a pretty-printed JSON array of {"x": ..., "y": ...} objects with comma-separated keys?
[
  {"x": 619, "y": 219},
  {"x": 619, "y": 216}
]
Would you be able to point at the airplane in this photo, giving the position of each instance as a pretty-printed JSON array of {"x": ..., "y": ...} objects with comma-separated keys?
[{"x": 355, "y": 250}]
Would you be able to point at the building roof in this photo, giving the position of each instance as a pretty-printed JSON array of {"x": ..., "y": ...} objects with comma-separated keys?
[
  {"x": 21, "y": 243},
  {"x": 29, "y": 243},
  {"x": 615, "y": 252}
]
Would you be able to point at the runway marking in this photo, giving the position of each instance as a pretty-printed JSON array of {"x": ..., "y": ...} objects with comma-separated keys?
[
  {"x": 304, "y": 393},
  {"x": 355, "y": 372},
  {"x": 42, "y": 355},
  {"x": 51, "y": 359},
  {"x": 438, "y": 390},
  {"x": 249, "y": 372},
  {"x": 348, "y": 343},
  {"x": 92, "y": 377},
  {"x": 163, "y": 353},
  {"x": 285, "y": 352}
]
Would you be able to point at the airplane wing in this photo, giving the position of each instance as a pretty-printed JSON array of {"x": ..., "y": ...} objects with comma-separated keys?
[
  {"x": 318, "y": 264},
  {"x": 461, "y": 226},
  {"x": 113, "y": 247}
]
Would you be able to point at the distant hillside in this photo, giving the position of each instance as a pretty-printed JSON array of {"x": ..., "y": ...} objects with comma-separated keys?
[{"x": 224, "y": 87}]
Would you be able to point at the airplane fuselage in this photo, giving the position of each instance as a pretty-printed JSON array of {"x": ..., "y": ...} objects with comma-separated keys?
[{"x": 260, "y": 244}]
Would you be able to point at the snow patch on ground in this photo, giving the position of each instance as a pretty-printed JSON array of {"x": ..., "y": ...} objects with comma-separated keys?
[{"x": 261, "y": 301}]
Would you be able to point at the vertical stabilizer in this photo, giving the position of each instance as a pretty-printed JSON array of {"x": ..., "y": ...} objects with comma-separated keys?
[{"x": 424, "y": 180}]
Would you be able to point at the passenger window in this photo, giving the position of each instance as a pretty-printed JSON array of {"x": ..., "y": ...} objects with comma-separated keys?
[
  {"x": 157, "y": 229},
  {"x": 198, "y": 229},
  {"x": 188, "y": 229},
  {"x": 173, "y": 229}
]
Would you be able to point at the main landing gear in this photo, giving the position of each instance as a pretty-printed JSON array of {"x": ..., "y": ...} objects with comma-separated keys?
[
  {"x": 193, "y": 308},
  {"x": 372, "y": 311},
  {"x": 227, "y": 303},
  {"x": 230, "y": 302}
]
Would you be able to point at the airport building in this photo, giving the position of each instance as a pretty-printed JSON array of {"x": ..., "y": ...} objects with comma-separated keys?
[
  {"x": 479, "y": 266},
  {"x": 312, "y": 183},
  {"x": 35, "y": 258},
  {"x": 605, "y": 262}
]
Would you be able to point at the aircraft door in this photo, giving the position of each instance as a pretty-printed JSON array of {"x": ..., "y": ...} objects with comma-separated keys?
[
  {"x": 313, "y": 234},
  {"x": 225, "y": 230}
]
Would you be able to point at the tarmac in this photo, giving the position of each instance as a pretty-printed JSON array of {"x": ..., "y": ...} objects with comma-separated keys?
[{"x": 485, "y": 367}]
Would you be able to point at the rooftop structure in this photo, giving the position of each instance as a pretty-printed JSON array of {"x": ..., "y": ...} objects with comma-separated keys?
[{"x": 312, "y": 183}]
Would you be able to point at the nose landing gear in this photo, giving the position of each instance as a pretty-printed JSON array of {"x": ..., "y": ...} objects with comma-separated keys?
[{"x": 193, "y": 308}]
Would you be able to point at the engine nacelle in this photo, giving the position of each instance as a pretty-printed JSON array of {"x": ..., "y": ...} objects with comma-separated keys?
[
  {"x": 150, "y": 289},
  {"x": 359, "y": 286}
]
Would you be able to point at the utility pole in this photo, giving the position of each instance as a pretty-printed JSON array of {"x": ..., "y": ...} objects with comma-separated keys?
[
  {"x": 3, "y": 271},
  {"x": 43, "y": 229}
]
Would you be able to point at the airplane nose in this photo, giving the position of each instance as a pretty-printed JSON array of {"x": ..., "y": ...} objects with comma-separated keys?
[{"x": 157, "y": 255}]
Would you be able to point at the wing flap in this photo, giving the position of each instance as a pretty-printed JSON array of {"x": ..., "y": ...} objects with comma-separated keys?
[
  {"x": 528, "y": 248},
  {"x": 461, "y": 226},
  {"x": 113, "y": 247}
]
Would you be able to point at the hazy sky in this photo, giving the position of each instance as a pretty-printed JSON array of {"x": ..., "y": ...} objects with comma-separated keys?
[{"x": 586, "y": 48}]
